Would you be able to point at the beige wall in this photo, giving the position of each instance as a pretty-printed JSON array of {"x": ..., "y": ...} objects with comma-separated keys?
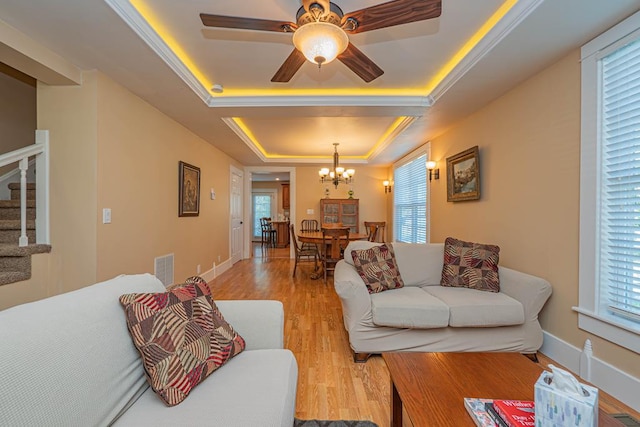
[
  {"x": 367, "y": 187},
  {"x": 529, "y": 142},
  {"x": 17, "y": 112},
  {"x": 138, "y": 153},
  {"x": 111, "y": 149}
]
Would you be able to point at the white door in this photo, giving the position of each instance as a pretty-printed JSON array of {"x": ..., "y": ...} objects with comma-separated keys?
[{"x": 236, "y": 235}]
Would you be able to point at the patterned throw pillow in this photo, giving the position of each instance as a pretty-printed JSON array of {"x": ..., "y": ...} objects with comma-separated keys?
[
  {"x": 377, "y": 267},
  {"x": 470, "y": 265},
  {"x": 181, "y": 336}
]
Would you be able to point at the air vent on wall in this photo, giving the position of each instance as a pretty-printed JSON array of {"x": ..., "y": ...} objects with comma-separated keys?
[{"x": 163, "y": 269}]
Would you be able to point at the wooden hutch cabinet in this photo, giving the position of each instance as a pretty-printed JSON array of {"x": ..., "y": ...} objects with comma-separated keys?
[{"x": 344, "y": 211}]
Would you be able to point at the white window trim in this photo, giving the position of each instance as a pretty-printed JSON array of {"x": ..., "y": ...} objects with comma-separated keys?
[
  {"x": 423, "y": 150},
  {"x": 612, "y": 328}
]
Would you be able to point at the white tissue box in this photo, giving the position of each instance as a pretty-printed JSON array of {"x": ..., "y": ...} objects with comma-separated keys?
[{"x": 555, "y": 408}]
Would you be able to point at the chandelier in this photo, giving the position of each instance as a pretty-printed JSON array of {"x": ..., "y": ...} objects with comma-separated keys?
[{"x": 338, "y": 174}]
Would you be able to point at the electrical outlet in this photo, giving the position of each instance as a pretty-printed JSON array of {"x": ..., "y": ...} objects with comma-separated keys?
[
  {"x": 218, "y": 258},
  {"x": 310, "y": 211},
  {"x": 198, "y": 269}
]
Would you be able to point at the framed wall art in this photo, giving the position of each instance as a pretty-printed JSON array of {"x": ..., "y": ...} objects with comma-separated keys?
[
  {"x": 188, "y": 190},
  {"x": 463, "y": 176}
]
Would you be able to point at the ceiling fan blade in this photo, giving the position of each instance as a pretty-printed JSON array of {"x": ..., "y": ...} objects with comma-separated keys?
[
  {"x": 245, "y": 23},
  {"x": 289, "y": 68},
  {"x": 360, "y": 64},
  {"x": 394, "y": 13}
]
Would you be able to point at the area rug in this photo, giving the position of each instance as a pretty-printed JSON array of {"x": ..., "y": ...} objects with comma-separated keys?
[{"x": 339, "y": 423}]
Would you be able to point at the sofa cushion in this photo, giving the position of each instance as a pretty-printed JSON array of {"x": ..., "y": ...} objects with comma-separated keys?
[
  {"x": 256, "y": 388},
  {"x": 470, "y": 265},
  {"x": 409, "y": 307},
  {"x": 357, "y": 245},
  {"x": 181, "y": 336},
  {"x": 473, "y": 308},
  {"x": 419, "y": 264},
  {"x": 377, "y": 267}
]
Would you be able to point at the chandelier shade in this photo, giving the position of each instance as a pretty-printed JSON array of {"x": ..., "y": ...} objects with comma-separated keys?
[
  {"x": 338, "y": 174},
  {"x": 320, "y": 42}
]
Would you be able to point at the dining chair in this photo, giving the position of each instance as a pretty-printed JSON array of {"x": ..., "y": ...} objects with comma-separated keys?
[
  {"x": 309, "y": 225},
  {"x": 375, "y": 230},
  {"x": 334, "y": 241},
  {"x": 301, "y": 252},
  {"x": 268, "y": 232}
]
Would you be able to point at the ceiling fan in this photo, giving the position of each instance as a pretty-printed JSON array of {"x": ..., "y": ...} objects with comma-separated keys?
[{"x": 319, "y": 33}]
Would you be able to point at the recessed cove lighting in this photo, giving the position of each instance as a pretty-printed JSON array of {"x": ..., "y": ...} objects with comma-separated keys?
[{"x": 217, "y": 88}]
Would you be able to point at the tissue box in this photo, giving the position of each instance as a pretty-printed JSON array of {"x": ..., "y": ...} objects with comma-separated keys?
[{"x": 555, "y": 408}]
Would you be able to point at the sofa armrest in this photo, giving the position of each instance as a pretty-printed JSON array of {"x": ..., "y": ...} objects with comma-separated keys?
[
  {"x": 259, "y": 322},
  {"x": 531, "y": 291},
  {"x": 353, "y": 293}
]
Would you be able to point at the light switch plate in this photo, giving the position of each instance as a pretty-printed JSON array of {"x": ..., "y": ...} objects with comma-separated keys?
[
  {"x": 310, "y": 211},
  {"x": 106, "y": 216}
]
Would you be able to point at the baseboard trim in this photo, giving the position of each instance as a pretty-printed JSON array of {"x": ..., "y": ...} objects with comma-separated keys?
[
  {"x": 606, "y": 377},
  {"x": 217, "y": 270}
]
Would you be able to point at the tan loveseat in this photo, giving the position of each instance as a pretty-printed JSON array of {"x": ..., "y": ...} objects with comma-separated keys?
[{"x": 424, "y": 316}]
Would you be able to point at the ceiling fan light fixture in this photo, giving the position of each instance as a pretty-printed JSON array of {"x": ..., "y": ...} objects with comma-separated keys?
[{"x": 320, "y": 42}]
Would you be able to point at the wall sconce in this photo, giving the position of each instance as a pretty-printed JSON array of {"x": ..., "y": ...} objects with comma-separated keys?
[
  {"x": 431, "y": 167},
  {"x": 387, "y": 187}
]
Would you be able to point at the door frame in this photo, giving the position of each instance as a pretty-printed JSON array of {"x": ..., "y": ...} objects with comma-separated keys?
[
  {"x": 237, "y": 171},
  {"x": 249, "y": 170}
]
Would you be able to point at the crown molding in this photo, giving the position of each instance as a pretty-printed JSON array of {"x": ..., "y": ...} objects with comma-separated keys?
[
  {"x": 321, "y": 101},
  {"x": 400, "y": 127},
  {"x": 141, "y": 27},
  {"x": 503, "y": 27},
  {"x": 518, "y": 12}
]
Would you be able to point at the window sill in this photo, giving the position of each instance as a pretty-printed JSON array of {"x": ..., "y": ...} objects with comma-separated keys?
[{"x": 618, "y": 330}]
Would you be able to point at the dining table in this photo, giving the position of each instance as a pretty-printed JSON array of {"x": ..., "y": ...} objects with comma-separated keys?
[{"x": 315, "y": 237}]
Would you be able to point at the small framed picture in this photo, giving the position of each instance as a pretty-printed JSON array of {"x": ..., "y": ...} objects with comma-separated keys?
[
  {"x": 188, "y": 190},
  {"x": 463, "y": 176}
]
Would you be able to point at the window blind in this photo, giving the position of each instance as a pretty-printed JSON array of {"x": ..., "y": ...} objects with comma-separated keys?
[
  {"x": 619, "y": 263},
  {"x": 410, "y": 201}
]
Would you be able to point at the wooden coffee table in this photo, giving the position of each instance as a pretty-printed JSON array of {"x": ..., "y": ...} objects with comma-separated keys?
[{"x": 432, "y": 386}]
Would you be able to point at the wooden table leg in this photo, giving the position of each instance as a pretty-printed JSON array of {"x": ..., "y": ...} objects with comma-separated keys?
[{"x": 396, "y": 407}]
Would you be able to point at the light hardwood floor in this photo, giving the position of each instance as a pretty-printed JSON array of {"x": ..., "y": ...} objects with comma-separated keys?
[{"x": 330, "y": 384}]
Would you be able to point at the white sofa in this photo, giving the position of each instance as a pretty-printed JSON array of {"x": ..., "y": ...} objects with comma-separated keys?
[
  {"x": 424, "y": 316},
  {"x": 68, "y": 360}
]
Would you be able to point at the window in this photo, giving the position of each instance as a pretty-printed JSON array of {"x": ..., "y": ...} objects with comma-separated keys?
[
  {"x": 263, "y": 206},
  {"x": 609, "y": 304},
  {"x": 410, "y": 200}
]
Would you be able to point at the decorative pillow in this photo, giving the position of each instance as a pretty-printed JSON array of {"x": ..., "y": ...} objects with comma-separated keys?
[
  {"x": 470, "y": 265},
  {"x": 378, "y": 268},
  {"x": 181, "y": 336}
]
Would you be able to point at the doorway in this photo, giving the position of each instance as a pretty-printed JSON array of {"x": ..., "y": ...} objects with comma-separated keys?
[
  {"x": 268, "y": 177},
  {"x": 263, "y": 204}
]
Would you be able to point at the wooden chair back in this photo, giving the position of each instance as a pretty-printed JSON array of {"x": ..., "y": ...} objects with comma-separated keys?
[
  {"x": 309, "y": 225},
  {"x": 294, "y": 240},
  {"x": 375, "y": 230},
  {"x": 334, "y": 241}
]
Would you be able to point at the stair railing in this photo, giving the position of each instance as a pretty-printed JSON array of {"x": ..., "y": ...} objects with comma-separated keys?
[{"x": 41, "y": 151}]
